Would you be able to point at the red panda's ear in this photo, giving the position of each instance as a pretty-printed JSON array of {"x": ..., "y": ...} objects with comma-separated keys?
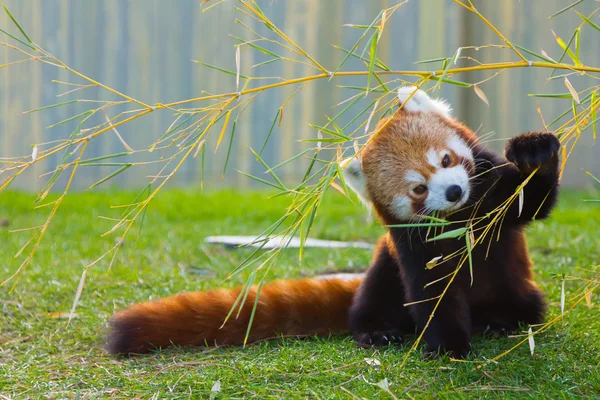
[
  {"x": 355, "y": 177},
  {"x": 413, "y": 99}
]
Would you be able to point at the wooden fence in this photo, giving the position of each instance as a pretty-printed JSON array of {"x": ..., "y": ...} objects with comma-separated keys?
[{"x": 145, "y": 48}]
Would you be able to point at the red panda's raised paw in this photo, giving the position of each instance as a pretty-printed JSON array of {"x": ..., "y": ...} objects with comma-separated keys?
[
  {"x": 532, "y": 150},
  {"x": 378, "y": 338}
]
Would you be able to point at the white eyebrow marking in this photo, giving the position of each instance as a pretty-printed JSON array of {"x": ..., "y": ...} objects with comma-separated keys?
[
  {"x": 414, "y": 176},
  {"x": 458, "y": 146},
  {"x": 433, "y": 158}
]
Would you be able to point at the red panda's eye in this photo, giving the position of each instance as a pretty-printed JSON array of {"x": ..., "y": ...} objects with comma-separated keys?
[
  {"x": 420, "y": 189},
  {"x": 446, "y": 161}
]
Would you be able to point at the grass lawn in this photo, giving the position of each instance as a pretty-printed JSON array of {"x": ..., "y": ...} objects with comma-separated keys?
[{"x": 40, "y": 356}]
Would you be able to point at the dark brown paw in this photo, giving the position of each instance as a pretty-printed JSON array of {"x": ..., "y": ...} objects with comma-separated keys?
[
  {"x": 532, "y": 150},
  {"x": 378, "y": 338}
]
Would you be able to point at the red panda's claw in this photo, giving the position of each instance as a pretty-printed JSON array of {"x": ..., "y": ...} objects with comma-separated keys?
[{"x": 378, "y": 338}]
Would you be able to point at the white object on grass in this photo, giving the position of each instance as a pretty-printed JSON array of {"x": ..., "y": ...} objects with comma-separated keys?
[
  {"x": 531, "y": 341},
  {"x": 253, "y": 241}
]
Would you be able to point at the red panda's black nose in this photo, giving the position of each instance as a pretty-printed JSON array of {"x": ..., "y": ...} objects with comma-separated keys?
[{"x": 454, "y": 193}]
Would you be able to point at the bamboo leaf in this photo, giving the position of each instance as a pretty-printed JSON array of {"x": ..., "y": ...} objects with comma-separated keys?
[
  {"x": 588, "y": 298},
  {"x": 102, "y": 164},
  {"x": 372, "y": 54},
  {"x": 260, "y": 64},
  {"x": 264, "y": 181},
  {"x": 447, "y": 67},
  {"x": 115, "y": 155},
  {"x": 418, "y": 225},
  {"x": 382, "y": 24},
  {"x": 577, "y": 38},
  {"x": 547, "y": 56},
  {"x": 342, "y": 180},
  {"x": 50, "y": 106},
  {"x": 17, "y": 39},
  {"x": 110, "y": 176},
  {"x": 469, "y": 243},
  {"x": 542, "y": 56},
  {"x": 433, "y": 262},
  {"x": 368, "y": 124},
  {"x": 73, "y": 118},
  {"x": 17, "y": 25},
  {"x": 588, "y": 173},
  {"x": 565, "y": 47},
  {"x": 77, "y": 294},
  {"x": 481, "y": 95},
  {"x": 253, "y": 312},
  {"x": 34, "y": 153},
  {"x": 229, "y": 148},
  {"x": 259, "y": 48},
  {"x": 432, "y": 60},
  {"x": 552, "y": 95},
  {"x": 246, "y": 291},
  {"x": 220, "y": 69},
  {"x": 434, "y": 219},
  {"x": 378, "y": 63},
  {"x": 337, "y": 133},
  {"x": 451, "y": 81},
  {"x": 521, "y": 200},
  {"x": 220, "y": 139},
  {"x": 270, "y": 131},
  {"x": 594, "y": 107},
  {"x": 565, "y": 9},
  {"x": 271, "y": 172},
  {"x": 363, "y": 89},
  {"x": 589, "y": 21},
  {"x": 358, "y": 26},
  {"x": 455, "y": 233},
  {"x": 572, "y": 90},
  {"x": 148, "y": 190},
  {"x": 324, "y": 140}
]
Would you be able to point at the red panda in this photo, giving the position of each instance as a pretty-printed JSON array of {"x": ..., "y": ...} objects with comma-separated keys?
[{"x": 420, "y": 162}]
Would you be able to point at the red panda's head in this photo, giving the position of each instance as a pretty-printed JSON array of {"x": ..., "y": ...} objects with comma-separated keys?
[{"x": 420, "y": 161}]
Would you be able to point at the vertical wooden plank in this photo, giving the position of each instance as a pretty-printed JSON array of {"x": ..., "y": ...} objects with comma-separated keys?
[
  {"x": 290, "y": 124},
  {"x": 35, "y": 95},
  {"x": 244, "y": 131},
  {"x": 310, "y": 91},
  {"x": 431, "y": 28}
]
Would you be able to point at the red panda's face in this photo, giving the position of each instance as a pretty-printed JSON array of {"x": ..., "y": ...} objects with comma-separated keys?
[{"x": 419, "y": 162}]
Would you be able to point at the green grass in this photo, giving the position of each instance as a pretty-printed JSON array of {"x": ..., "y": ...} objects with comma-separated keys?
[{"x": 40, "y": 356}]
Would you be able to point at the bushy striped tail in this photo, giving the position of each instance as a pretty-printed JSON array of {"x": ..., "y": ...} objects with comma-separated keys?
[{"x": 286, "y": 307}]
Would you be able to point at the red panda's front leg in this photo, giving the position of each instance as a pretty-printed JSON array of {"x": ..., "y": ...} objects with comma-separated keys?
[
  {"x": 527, "y": 153},
  {"x": 377, "y": 316}
]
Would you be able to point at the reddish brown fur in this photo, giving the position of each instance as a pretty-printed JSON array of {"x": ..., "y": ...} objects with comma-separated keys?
[
  {"x": 401, "y": 145},
  {"x": 286, "y": 307}
]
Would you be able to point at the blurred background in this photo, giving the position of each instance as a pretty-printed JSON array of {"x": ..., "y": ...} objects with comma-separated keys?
[{"x": 145, "y": 48}]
